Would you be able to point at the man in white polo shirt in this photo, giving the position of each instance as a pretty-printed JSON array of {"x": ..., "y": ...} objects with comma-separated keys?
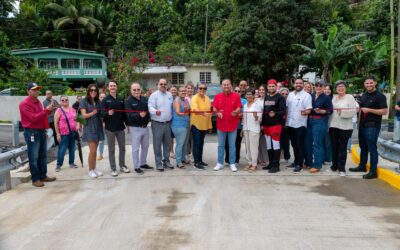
[{"x": 299, "y": 105}]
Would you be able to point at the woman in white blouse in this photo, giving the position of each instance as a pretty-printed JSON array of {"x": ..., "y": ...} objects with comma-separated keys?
[
  {"x": 341, "y": 127},
  {"x": 252, "y": 113}
]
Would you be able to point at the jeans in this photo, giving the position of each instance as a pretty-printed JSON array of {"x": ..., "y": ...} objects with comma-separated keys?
[
  {"x": 67, "y": 142},
  {"x": 339, "y": 138},
  {"x": 37, "y": 153},
  {"x": 297, "y": 139},
  {"x": 350, "y": 142},
  {"x": 221, "y": 146},
  {"x": 396, "y": 132},
  {"x": 198, "y": 143},
  {"x": 181, "y": 137},
  {"x": 308, "y": 145},
  {"x": 368, "y": 138},
  {"x": 101, "y": 146},
  {"x": 238, "y": 144},
  {"x": 285, "y": 143},
  {"x": 327, "y": 148},
  {"x": 319, "y": 128}
]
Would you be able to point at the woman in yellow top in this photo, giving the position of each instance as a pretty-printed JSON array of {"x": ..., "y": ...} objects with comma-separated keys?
[{"x": 200, "y": 121}]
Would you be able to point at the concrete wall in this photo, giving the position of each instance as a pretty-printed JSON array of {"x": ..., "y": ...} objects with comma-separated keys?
[{"x": 9, "y": 110}]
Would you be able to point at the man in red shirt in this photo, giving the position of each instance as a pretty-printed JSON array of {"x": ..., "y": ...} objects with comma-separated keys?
[
  {"x": 34, "y": 121},
  {"x": 227, "y": 106}
]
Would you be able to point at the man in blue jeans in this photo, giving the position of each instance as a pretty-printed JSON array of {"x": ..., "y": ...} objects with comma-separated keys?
[
  {"x": 34, "y": 121},
  {"x": 227, "y": 106},
  {"x": 372, "y": 106}
]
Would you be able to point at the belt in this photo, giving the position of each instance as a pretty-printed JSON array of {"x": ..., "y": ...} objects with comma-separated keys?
[
  {"x": 35, "y": 129},
  {"x": 162, "y": 122},
  {"x": 316, "y": 116}
]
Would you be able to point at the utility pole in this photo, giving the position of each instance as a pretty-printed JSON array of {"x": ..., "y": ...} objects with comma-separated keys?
[{"x": 392, "y": 54}]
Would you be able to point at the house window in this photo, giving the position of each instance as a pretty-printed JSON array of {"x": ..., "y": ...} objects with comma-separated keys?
[
  {"x": 48, "y": 63},
  {"x": 178, "y": 79},
  {"x": 91, "y": 64},
  {"x": 205, "y": 77},
  {"x": 70, "y": 63}
]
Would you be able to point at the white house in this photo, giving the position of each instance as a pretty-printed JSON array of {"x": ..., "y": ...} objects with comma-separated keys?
[{"x": 179, "y": 74}]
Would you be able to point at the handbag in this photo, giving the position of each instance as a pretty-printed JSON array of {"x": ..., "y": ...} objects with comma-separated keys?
[{"x": 75, "y": 133}]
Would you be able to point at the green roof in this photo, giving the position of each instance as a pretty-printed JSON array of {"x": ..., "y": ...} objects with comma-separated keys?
[{"x": 54, "y": 50}]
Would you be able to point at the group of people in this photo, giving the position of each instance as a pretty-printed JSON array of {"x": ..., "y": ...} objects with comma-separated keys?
[{"x": 269, "y": 119}]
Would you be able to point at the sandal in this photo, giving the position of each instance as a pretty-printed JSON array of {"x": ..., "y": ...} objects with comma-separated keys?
[
  {"x": 252, "y": 169},
  {"x": 181, "y": 166}
]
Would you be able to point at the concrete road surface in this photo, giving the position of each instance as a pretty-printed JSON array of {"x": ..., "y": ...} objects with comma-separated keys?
[{"x": 192, "y": 209}]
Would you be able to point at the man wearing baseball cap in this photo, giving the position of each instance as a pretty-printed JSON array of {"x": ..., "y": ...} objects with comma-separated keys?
[{"x": 34, "y": 121}]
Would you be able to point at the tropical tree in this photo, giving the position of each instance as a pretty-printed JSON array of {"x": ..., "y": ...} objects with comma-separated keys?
[
  {"x": 338, "y": 46},
  {"x": 76, "y": 14}
]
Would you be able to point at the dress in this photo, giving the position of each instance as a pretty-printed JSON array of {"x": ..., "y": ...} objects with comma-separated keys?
[{"x": 93, "y": 131}]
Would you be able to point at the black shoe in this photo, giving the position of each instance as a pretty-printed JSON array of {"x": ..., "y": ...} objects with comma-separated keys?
[
  {"x": 334, "y": 169},
  {"x": 202, "y": 163},
  {"x": 370, "y": 176},
  {"x": 297, "y": 169},
  {"x": 268, "y": 167},
  {"x": 160, "y": 169},
  {"x": 145, "y": 166},
  {"x": 293, "y": 165},
  {"x": 274, "y": 170},
  {"x": 358, "y": 169},
  {"x": 139, "y": 171},
  {"x": 198, "y": 166}
]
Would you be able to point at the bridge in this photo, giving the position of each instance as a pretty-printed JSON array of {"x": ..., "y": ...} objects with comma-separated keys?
[{"x": 192, "y": 209}]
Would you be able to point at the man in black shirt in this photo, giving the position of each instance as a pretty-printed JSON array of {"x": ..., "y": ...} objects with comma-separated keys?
[
  {"x": 138, "y": 117},
  {"x": 114, "y": 120},
  {"x": 272, "y": 121},
  {"x": 372, "y": 106},
  {"x": 76, "y": 104}
]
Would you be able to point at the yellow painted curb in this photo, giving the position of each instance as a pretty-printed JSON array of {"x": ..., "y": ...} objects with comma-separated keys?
[{"x": 386, "y": 175}]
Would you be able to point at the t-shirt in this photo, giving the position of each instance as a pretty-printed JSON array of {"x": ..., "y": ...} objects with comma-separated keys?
[
  {"x": 226, "y": 104},
  {"x": 398, "y": 112},
  {"x": 249, "y": 122},
  {"x": 374, "y": 100},
  {"x": 201, "y": 122},
  {"x": 276, "y": 103}
]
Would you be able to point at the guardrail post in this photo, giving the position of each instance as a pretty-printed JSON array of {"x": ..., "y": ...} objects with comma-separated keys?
[{"x": 15, "y": 133}]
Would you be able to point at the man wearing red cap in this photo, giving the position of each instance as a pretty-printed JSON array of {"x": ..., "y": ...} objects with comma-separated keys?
[
  {"x": 272, "y": 121},
  {"x": 34, "y": 121}
]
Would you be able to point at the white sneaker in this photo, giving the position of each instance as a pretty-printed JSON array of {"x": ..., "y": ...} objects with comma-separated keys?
[
  {"x": 218, "y": 167},
  {"x": 327, "y": 163},
  {"x": 125, "y": 169},
  {"x": 92, "y": 174},
  {"x": 329, "y": 170},
  {"x": 98, "y": 173},
  {"x": 342, "y": 174},
  {"x": 114, "y": 173},
  {"x": 233, "y": 167}
]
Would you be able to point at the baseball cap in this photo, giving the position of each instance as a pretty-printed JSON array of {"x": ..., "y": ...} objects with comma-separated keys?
[
  {"x": 34, "y": 86},
  {"x": 320, "y": 82},
  {"x": 272, "y": 81}
]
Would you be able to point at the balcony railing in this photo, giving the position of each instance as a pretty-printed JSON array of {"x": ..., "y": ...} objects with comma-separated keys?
[{"x": 74, "y": 72}]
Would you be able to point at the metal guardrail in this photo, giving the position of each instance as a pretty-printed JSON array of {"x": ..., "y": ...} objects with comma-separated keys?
[
  {"x": 7, "y": 163},
  {"x": 389, "y": 150}
]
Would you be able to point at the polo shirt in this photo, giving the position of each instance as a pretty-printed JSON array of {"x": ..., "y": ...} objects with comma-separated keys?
[
  {"x": 162, "y": 102},
  {"x": 116, "y": 121},
  {"x": 374, "y": 100},
  {"x": 33, "y": 115},
  {"x": 226, "y": 104}
]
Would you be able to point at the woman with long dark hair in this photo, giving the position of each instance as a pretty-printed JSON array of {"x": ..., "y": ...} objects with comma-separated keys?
[{"x": 93, "y": 130}]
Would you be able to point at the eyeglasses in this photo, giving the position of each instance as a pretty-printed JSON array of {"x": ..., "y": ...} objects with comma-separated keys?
[
  {"x": 93, "y": 90},
  {"x": 202, "y": 88},
  {"x": 163, "y": 84},
  {"x": 135, "y": 89},
  {"x": 237, "y": 91},
  {"x": 64, "y": 100}
]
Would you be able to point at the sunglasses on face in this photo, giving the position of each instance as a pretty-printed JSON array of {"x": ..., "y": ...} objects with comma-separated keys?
[
  {"x": 163, "y": 84},
  {"x": 93, "y": 90},
  {"x": 202, "y": 88},
  {"x": 237, "y": 90},
  {"x": 135, "y": 89},
  {"x": 64, "y": 100}
]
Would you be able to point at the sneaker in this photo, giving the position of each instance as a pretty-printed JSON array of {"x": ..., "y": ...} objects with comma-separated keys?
[
  {"x": 218, "y": 167},
  {"x": 73, "y": 165},
  {"x": 125, "y": 169},
  {"x": 291, "y": 165},
  {"x": 58, "y": 168},
  {"x": 274, "y": 170},
  {"x": 330, "y": 171},
  {"x": 233, "y": 167},
  {"x": 114, "y": 173},
  {"x": 98, "y": 172},
  {"x": 288, "y": 161},
  {"x": 198, "y": 166},
  {"x": 92, "y": 174},
  {"x": 342, "y": 174},
  {"x": 168, "y": 165},
  {"x": 145, "y": 166},
  {"x": 100, "y": 158},
  {"x": 139, "y": 171},
  {"x": 327, "y": 163},
  {"x": 297, "y": 169}
]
